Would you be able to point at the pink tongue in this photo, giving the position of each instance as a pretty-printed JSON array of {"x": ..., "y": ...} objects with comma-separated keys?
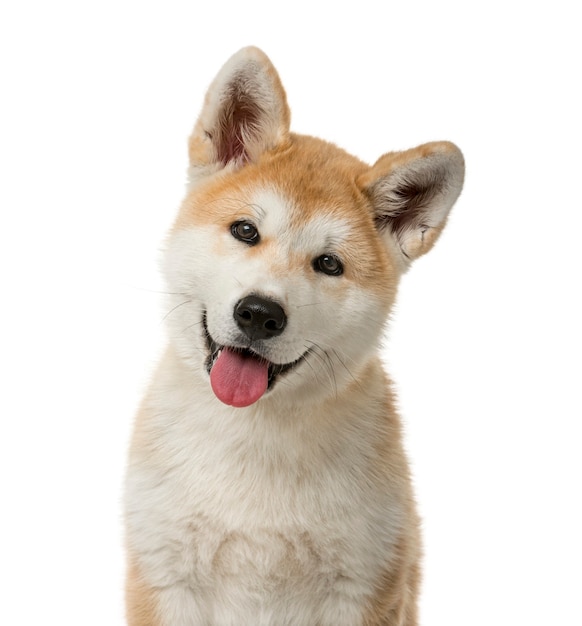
[{"x": 238, "y": 379}]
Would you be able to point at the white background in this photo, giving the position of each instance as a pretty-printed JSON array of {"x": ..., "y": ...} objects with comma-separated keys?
[{"x": 97, "y": 102}]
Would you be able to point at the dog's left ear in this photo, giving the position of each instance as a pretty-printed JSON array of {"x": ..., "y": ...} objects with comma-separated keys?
[
  {"x": 412, "y": 193},
  {"x": 245, "y": 113}
]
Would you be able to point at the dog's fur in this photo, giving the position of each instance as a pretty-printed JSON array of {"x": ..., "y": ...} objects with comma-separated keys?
[{"x": 293, "y": 507}]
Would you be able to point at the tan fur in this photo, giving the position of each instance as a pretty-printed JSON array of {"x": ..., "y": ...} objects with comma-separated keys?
[
  {"x": 394, "y": 603},
  {"x": 141, "y": 607},
  {"x": 294, "y": 505},
  {"x": 297, "y": 167}
]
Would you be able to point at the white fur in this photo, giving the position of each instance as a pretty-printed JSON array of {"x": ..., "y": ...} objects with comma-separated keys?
[{"x": 242, "y": 483}]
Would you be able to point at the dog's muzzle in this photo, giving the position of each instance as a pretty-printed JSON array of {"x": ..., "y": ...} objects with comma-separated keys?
[{"x": 239, "y": 374}]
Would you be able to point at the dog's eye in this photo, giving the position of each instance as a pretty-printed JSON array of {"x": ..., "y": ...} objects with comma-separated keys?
[
  {"x": 245, "y": 231},
  {"x": 328, "y": 264}
]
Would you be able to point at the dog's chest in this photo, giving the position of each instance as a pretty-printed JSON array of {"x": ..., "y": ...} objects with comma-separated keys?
[
  {"x": 291, "y": 539},
  {"x": 283, "y": 576},
  {"x": 263, "y": 577}
]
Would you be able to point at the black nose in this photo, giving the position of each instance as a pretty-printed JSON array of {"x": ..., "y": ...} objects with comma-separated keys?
[{"x": 259, "y": 318}]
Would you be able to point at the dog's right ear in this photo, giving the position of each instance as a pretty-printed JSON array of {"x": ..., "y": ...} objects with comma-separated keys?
[{"x": 245, "y": 113}]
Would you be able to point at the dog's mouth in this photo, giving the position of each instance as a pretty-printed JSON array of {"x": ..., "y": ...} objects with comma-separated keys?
[{"x": 240, "y": 376}]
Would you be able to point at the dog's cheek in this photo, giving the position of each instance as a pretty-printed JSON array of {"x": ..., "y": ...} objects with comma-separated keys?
[
  {"x": 342, "y": 314},
  {"x": 186, "y": 261}
]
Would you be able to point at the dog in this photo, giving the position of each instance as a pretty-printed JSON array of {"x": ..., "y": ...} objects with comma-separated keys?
[{"x": 267, "y": 482}]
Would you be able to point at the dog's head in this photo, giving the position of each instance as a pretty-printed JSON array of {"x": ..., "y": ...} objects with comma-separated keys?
[{"x": 286, "y": 253}]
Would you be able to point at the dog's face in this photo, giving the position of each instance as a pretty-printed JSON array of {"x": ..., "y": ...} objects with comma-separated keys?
[
  {"x": 286, "y": 254},
  {"x": 283, "y": 261}
]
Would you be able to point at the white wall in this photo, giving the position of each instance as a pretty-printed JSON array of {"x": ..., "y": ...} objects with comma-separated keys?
[{"x": 97, "y": 102}]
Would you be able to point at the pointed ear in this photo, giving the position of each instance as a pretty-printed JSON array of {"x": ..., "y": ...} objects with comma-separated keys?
[
  {"x": 245, "y": 113},
  {"x": 412, "y": 193}
]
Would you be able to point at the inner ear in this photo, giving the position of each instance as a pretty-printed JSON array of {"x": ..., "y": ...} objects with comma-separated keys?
[
  {"x": 407, "y": 202},
  {"x": 245, "y": 113},
  {"x": 238, "y": 123}
]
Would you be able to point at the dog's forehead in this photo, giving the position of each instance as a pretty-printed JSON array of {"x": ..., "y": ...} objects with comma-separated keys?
[{"x": 281, "y": 216}]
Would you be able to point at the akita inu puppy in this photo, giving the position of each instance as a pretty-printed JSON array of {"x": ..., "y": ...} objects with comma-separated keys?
[{"x": 267, "y": 482}]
